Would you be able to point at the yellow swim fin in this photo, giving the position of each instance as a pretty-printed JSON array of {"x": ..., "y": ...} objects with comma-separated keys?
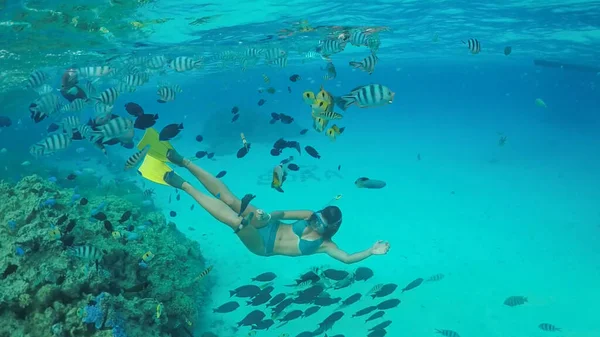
[
  {"x": 158, "y": 149},
  {"x": 154, "y": 169}
]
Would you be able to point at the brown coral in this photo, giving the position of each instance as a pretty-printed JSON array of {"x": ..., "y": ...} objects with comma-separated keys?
[{"x": 49, "y": 289}]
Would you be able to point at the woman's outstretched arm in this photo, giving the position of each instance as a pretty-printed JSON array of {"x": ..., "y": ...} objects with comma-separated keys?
[{"x": 331, "y": 249}]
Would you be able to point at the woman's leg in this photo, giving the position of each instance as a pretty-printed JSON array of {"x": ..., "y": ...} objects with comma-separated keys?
[
  {"x": 220, "y": 211},
  {"x": 215, "y": 186}
]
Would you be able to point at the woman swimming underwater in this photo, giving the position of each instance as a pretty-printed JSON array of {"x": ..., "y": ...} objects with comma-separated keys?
[{"x": 262, "y": 233}]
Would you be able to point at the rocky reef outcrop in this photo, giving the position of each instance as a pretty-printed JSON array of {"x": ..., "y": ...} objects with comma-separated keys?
[{"x": 98, "y": 267}]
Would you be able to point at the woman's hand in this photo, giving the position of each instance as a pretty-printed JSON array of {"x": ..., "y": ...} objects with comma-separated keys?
[
  {"x": 263, "y": 216},
  {"x": 380, "y": 248}
]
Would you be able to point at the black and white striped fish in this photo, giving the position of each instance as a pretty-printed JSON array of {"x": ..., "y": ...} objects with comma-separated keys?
[
  {"x": 101, "y": 109},
  {"x": 312, "y": 55},
  {"x": 374, "y": 43},
  {"x": 253, "y": 53},
  {"x": 85, "y": 131},
  {"x": 367, "y": 96},
  {"x": 129, "y": 69},
  {"x": 280, "y": 62},
  {"x": 76, "y": 105},
  {"x": 115, "y": 128},
  {"x": 44, "y": 89},
  {"x": 51, "y": 144},
  {"x": 137, "y": 79},
  {"x": 367, "y": 65},
  {"x": 274, "y": 53},
  {"x": 326, "y": 115},
  {"x": 156, "y": 62},
  {"x": 48, "y": 104},
  {"x": 138, "y": 60},
  {"x": 43, "y": 107},
  {"x": 474, "y": 45},
  {"x": 135, "y": 158},
  {"x": 108, "y": 96},
  {"x": 330, "y": 47},
  {"x": 95, "y": 71},
  {"x": 70, "y": 122},
  {"x": 123, "y": 87},
  {"x": 89, "y": 87},
  {"x": 548, "y": 327},
  {"x": 184, "y": 63},
  {"x": 228, "y": 55},
  {"x": 359, "y": 38},
  {"x": 176, "y": 87},
  {"x": 86, "y": 253},
  {"x": 166, "y": 94},
  {"x": 36, "y": 79}
]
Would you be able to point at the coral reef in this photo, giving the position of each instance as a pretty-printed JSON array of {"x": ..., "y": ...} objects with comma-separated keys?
[{"x": 99, "y": 268}]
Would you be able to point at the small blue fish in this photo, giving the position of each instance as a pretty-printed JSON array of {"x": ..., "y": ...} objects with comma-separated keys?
[
  {"x": 48, "y": 203},
  {"x": 147, "y": 223},
  {"x": 19, "y": 251},
  {"x": 142, "y": 264},
  {"x": 131, "y": 236},
  {"x": 99, "y": 208},
  {"x": 52, "y": 179},
  {"x": 75, "y": 197},
  {"x": 12, "y": 224}
]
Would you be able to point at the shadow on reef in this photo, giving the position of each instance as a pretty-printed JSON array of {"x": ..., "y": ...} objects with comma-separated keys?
[{"x": 100, "y": 268}]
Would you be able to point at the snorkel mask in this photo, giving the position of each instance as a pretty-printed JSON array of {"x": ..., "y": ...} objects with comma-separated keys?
[{"x": 317, "y": 222}]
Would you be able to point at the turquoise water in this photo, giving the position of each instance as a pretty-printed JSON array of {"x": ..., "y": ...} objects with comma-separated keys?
[{"x": 519, "y": 219}]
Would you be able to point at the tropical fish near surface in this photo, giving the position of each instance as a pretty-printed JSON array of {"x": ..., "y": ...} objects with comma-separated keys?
[{"x": 279, "y": 177}]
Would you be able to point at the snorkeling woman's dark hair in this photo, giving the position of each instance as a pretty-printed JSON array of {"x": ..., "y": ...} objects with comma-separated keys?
[{"x": 333, "y": 216}]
